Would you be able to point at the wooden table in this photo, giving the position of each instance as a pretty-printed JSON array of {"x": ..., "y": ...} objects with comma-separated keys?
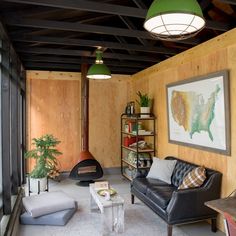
[{"x": 222, "y": 205}]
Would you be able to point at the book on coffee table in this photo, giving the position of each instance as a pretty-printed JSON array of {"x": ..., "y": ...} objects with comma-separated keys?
[{"x": 101, "y": 185}]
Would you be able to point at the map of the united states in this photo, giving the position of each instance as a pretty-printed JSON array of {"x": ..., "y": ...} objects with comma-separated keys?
[{"x": 191, "y": 111}]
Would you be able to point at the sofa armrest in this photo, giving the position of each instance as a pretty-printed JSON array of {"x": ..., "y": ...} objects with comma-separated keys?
[
  {"x": 189, "y": 203},
  {"x": 141, "y": 174}
]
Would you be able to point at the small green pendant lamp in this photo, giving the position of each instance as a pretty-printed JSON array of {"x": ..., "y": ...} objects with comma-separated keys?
[
  {"x": 99, "y": 70},
  {"x": 174, "y": 19}
]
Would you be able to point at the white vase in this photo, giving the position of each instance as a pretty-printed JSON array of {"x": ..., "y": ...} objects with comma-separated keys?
[
  {"x": 145, "y": 110},
  {"x": 34, "y": 183}
]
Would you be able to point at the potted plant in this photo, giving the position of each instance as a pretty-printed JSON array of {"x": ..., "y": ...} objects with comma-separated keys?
[
  {"x": 145, "y": 104},
  {"x": 44, "y": 153}
]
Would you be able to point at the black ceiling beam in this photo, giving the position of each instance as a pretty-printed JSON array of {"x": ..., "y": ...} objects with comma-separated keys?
[
  {"x": 78, "y": 27},
  {"x": 218, "y": 25},
  {"x": 93, "y": 43},
  {"x": 140, "y": 4},
  {"x": 72, "y": 52},
  {"x": 131, "y": 26},
  {"x": 123, "y": 41},
  {"x": 60, "y": 67},
  {"x": 106, "y": 8},
  {"x": 205, "y": 4},
  {"x": 56, "y": 59},
  {"x": 39, "y": 11},
  {"x": 93, "y": 6},
  {"x": 83, "y": 5},
  {"x": 69, "y": 67},
  {"x": 232, "y": 2}
]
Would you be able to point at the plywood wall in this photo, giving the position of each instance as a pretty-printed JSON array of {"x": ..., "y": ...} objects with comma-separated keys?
[
  {"x": 107, "y": 102},
  {"x": 53, "y": 106},
  {"x": 214, "y": 55}
]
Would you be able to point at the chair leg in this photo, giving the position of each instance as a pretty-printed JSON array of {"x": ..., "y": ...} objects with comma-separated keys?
[
  {"x": 169, "y": 230},
  {"x": 132, "y": 199},
  {"x": 213, "y": 225}
]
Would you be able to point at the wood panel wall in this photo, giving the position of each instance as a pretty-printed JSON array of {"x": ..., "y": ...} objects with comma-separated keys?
[
  {"x": 53, "y": 106},
  {"x": 214, "y": 55},
  {"x": 107, "y": 102}
]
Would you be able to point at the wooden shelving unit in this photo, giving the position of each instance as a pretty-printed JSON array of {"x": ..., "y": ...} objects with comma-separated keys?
[{"x": 134, "y": 158}]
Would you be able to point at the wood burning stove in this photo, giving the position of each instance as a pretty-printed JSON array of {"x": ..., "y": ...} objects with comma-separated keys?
[{"x": 87, "y": 169}]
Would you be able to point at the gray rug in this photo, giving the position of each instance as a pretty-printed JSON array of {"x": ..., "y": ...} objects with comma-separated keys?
[{"x": 139, "y": 221}]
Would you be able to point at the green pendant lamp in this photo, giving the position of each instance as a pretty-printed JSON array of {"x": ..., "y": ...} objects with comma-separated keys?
[
  {"x": 174, "y": 19},
  {"x": 99, "y": 70}
]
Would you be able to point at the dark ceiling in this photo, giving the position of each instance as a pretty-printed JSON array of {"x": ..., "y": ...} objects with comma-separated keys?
[{"x": 62, "y": 34}]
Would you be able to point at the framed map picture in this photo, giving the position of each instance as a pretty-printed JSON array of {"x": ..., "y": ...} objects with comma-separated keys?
[{"x": 198, "y": 112}]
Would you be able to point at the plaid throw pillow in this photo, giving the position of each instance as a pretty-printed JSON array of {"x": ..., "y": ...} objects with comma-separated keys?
[{"x": 194, "y": 178}]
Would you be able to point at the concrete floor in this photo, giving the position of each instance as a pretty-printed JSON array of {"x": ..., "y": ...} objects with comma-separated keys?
[{"x": 123, "y": 187}]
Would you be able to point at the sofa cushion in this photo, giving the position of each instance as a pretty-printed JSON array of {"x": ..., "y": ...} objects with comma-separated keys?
[
  {"x": 194, "y": 179},
  {"x": 181, "y": 169},
  {"x": 161, "y": 194},
  {"x": 142, "y": 184},
  {"x": 162, "y": 169}
]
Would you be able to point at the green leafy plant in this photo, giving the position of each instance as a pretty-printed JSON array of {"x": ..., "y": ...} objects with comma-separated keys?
[
  {"x": 45, "y": 155},
  {"x": 144, "y": 100}
]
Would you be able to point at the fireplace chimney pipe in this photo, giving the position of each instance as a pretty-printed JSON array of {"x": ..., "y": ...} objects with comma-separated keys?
[
  {"x": 84, "y": 108},
  {"x": 87, "y": 169}
]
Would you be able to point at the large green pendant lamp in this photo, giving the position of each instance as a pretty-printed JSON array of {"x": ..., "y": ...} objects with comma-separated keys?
[
  {"x": 99, "y": 70},
  {"x": 174, "y": 19}
]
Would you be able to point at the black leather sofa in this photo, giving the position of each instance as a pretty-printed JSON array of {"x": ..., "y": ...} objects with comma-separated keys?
[{"x": 178, "y": 206}]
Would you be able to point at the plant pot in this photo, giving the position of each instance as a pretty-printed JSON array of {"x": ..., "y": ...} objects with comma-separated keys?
[
  {"x": 35, "y": 182},
  {"x": 145, "y": 110}
]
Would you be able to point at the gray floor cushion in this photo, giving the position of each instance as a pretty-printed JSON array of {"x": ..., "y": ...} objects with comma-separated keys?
[
  {"x": 47, "y": 203},
  {"x": 57, "y": 218}
]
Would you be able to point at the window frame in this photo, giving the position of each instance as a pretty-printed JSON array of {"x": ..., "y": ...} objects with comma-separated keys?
[{"x": 12, "y": 120}]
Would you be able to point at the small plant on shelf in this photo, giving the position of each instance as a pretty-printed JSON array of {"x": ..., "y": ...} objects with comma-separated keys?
[
  {"x": 145, "y": 104},
  {"x": 144, "y": 100}
]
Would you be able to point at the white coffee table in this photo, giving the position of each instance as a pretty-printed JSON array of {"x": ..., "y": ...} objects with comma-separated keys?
[{"x": 112, "y": 211}]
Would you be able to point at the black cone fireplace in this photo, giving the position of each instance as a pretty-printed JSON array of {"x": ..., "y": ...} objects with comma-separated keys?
[{"x": 87, "y": 169}]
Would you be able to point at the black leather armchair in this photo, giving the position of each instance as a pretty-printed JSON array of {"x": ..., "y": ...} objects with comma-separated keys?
[{"x": 178, "y": 206}]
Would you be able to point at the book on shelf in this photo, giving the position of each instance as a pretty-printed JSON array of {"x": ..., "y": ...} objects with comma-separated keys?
[{"x": 142, "y": 132}]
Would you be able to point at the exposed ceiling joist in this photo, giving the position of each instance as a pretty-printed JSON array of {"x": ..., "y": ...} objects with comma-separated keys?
[
  {"x": 96, "y": 6},
  {"x": 70, "y": 67},
  {"x": 62, "y": 34},
  {"x": 87, "y": 6},
  {"x": 130, "y": 25},
  {"x": 94, "y": 43},
  {"x": 78, "y": 27},
  {"x": 205, "y": 4},
  {"x": 232, "y": 2},
  {"x": 218, "y": 25},
  {"x": 123, "y": 41},
  {"x": 70, "y": 52},
  {"x": 140, "y": 4},
  {"x": 50, "y": 66},
  {"x": 109, "y": 9},
  {"x": 78, "y": 61}
]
